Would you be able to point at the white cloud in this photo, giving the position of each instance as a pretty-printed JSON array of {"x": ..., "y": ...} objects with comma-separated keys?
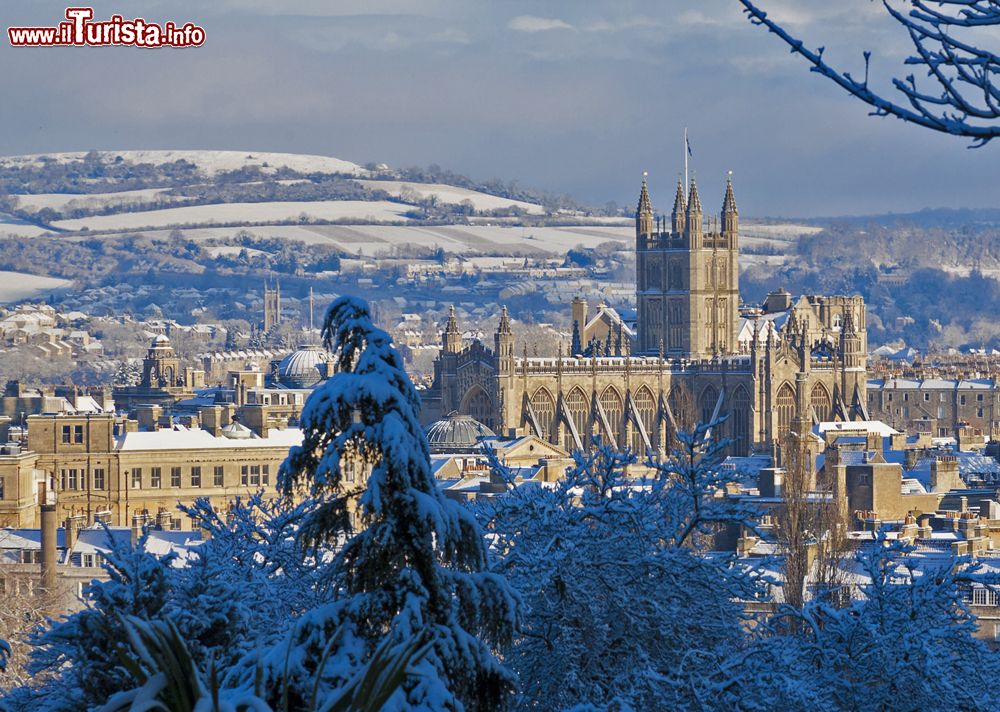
[{"x": 532, "y": 23}]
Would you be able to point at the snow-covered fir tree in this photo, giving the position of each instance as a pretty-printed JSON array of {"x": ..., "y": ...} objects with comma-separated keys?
[{"x": 419, "y": 568}]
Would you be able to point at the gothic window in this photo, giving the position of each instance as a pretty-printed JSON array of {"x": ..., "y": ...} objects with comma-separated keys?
[
  {"x": 478, "y": 404},
  {"x": 837, "y": 321},
  {"x": 676, "y": 278},
  {"x": 675, "y": 334},
  {"x": 706, "y": 404},
  {"x": 579, "y": 408},
  {"x": 785, "y": 402},
  {"x": 820, "y": 402},
  {"x": 545, "y": 410},
  {"x": 614, "y": 410},
  {"x": 740, "y": 421},
  {"x": 645, "y": 412}
]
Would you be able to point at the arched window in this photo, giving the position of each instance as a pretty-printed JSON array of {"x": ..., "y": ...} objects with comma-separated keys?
[
  {"x": 645, "y": 412},
  {"x": 579, "y": 408},
  {"x": 706, "y": 404},
  {"x": 820, "y": 402},
  {"x": 478, "y": 404},
  {"x": 545, "y": 410},
  {"x": 614, "y": 410},
  {"x": 741, "y": 418},
  {"x": 785, "y": 403}
]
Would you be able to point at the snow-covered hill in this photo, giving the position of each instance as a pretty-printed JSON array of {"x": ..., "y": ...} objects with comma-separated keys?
[{"x": 209, "y": 162}]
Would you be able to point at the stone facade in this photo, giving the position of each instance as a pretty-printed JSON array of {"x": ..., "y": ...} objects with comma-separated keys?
[{"x": 694, "y": 356}]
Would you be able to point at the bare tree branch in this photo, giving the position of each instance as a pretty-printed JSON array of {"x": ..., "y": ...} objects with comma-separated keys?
[{"x": 967, "y": 76}]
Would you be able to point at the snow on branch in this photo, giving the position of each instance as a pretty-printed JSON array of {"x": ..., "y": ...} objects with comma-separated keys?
[{"x": 963, "y": 93}]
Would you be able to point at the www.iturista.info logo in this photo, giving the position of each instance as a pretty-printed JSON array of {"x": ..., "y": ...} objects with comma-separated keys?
[{"x": 80, "y": 30}]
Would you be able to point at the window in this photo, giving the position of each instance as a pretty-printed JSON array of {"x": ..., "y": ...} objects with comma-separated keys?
[
  {"x": 137, "y": 478},
  {"x": 349, "y": 471},
  {"x": 31, "y": 556},
  {"x": 87, "y": 561},
  {"x": 863, "y": 478},
  {"x": 219, "y": 478},
  {"x": 979, "y": 412},
  {"x": 244, "y": 475},
  {"x": 154, "y": 477},
  {"x": 1, "y": 487},
  {"x": 78, "y": 434},
  {"x": 941, "y": 397},
  {"x": 67, "y": 436},
  {"x": 196, "y": 477},
  {"x": 175, "y": 524},
  {"x": 72, "y": 482},
  {"x": 927, "y": 396},
  {"x": 99, "y": 478},
  {"x": 979, "y": 397},
  {"x": 906, "y": 397},
  {"x": 175, "y": 477},
  {"x": 265, "y": 474},
  {"x": 254, "y": 475},
  {"x": 961, "y": 400},
  {"x": 890, "y": 397},
  {"x": 982, "y": 596}
]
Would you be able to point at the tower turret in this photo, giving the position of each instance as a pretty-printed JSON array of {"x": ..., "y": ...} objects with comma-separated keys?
[
  {"x": 452, "y": 338},
  {"x": 643, "y": 217},
  {"x": 694, "y": 217},
  {"x": 504, "y": 338},
  {"x": 680, "y": 207},
  {"x": 730, "y": 216}
]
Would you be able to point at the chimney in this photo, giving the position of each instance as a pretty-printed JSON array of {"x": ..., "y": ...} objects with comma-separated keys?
[
  {"x": 163, "y": 520},
  {"x": 72, "y": 524},
  {"x": 148, "y": 416},
  {"x": 49, "y": 547},
  {"x": 138, "y": 525}
]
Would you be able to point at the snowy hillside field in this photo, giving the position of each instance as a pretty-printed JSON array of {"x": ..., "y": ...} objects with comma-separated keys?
[
  {"x": 210, "y": 162},
  {"x": 451, "y": 195},
  {"x": 15, "y": 286},
  {"x": 241, "y": 213},
  {"x": 318, "y": 200}
]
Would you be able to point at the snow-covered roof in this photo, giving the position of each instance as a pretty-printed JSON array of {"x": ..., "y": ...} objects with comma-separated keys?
[
  {"x": 179, "y": 438},
  {"x": 866, "y": 426}
]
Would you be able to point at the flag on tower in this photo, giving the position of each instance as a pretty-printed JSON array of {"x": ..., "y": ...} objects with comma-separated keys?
[{"x": 688, "y": 142}]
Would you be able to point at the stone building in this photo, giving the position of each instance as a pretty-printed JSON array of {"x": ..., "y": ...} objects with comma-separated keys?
[
  {"x": 938, "y": 406},
  {"x": 102, "y": 466},
  {"x": 695, "y": 354}
]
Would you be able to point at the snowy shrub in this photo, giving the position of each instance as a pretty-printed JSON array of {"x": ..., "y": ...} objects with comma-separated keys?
[{"x": 621, "y": 608}]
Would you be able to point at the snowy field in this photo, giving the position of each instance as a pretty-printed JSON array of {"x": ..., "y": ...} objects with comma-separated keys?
[
  {"x": 223, "y": 213},
  {"x": 15, "y": 286},
  {"x": 60, "y": 201},
  {"x": 211, "y": 162},
  {"x": 11, "y": 226},
  {"x": 382, "y": 240},
  {"x": 450, "y": 194}
]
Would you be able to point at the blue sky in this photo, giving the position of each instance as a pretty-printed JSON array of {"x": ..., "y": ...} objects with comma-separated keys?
[{"x": 569, "y": 96}]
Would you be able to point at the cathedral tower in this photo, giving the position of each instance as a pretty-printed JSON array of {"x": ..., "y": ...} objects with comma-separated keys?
[{"x": 687, "y": 279}]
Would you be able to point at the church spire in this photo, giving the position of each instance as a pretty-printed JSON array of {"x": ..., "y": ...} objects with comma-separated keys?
[
  {"x": 643, "y": 217},
  {"x": 645, "y": 206},
  {"x": 730, "y": 215},
  {"x": 680, "y": 203},
  {"x": 694, "y": 217},
  {"x": 452, "y": 341}
]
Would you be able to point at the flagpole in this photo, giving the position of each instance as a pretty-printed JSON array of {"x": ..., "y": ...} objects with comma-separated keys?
[{"x": 686, "y": 181}]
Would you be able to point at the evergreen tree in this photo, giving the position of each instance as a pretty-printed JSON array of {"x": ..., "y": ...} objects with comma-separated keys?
[
  {"x": 419, "y": 567},
  {"x": 84, "y": 653},
  {"x": 576, "y": 347}
]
